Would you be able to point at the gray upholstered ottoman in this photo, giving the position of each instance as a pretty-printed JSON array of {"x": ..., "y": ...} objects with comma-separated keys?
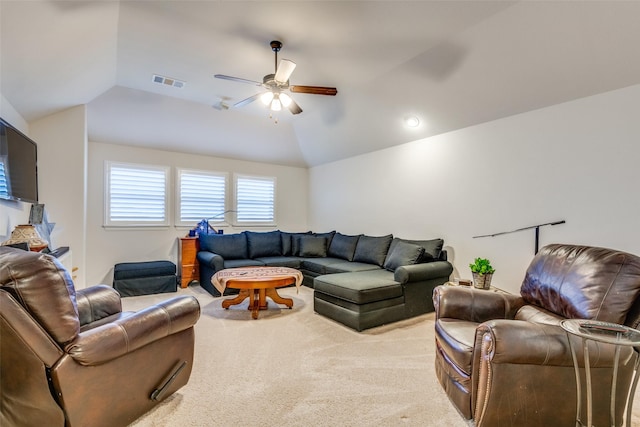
[{"x": 143, "y": 278}]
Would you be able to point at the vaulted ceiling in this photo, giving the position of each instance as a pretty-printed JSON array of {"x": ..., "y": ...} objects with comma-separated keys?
[{"x": 450, "y": 63}]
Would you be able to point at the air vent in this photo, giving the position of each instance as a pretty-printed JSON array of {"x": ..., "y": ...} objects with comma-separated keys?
[{"x": 168, "y": 81}]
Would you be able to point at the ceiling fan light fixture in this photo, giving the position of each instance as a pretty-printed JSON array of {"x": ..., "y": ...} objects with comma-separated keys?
[
  {"x": 285, "y": 99},
  {"x": 266, "y": 97},
  {"x": 276, "y": 105}
]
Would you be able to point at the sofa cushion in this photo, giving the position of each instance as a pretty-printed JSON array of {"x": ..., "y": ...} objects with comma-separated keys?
[
  {"x": 372, "y": 250},
  {"x": 228, "y": 246},
  {"x": 360, "y": 287},
  {"x": 432, "y": 248},
  {"x": 235, "y": 263},
  {"x": 313, "y": 246},
  {"x": 329, "y": 235},
  {"x": 403, "y": 253},
  {"x": 319, "y": 265},
  {"x": 343, "y": 246},
  {"x": 290, "y": 242},
  {"x": 264, "y": 244},
  {"x": 349, "y": 266},
  {"x": 281, "y": 261}
]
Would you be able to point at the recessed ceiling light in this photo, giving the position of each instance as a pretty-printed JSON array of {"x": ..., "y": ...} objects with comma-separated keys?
[{"x": 412, "y": 121}]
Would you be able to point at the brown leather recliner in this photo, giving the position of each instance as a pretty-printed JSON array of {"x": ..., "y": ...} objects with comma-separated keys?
[
  {"x": 504, "y": 360},
  {"x": 73, "y": 358}
]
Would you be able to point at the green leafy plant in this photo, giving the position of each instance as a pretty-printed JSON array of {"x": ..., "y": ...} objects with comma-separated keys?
[{"x": 481, "y": 266}]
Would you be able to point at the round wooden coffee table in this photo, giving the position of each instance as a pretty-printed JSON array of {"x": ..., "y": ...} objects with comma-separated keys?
[{"x": 257, "y": 287}]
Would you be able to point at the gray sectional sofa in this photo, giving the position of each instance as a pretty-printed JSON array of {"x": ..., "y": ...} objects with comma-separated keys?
[{"x": 360, "y": 281}]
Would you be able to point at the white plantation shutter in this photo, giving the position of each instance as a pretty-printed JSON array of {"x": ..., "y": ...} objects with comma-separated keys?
[
  {"x": 136, "y": 195},
  {"x": 255, "y": 199},
  {"x": 201, "y": 195}
]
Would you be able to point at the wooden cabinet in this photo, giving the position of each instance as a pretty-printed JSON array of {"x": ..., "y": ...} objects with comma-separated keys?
[{"x": 189, "y": 268}]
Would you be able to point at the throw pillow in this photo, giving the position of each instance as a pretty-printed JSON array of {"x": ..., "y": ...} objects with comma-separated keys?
[
  {"x": 343, "y": 246},
  {"x": 432, "y": 248},
  {"x": 264, "y": 244},
  {"x": 403, "y": 253},
  {"x": 313, "y": 246},
  {"x": 290, "y": 243},
  {"x": 372, "y": 250}
]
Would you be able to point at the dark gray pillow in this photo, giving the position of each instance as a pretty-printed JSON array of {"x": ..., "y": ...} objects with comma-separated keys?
[
  {"x": 264, "y": 244},
  {"x": 288, "y": 242},
  {"x": 328, "y": 235},
  {"x": 228, "y": 246},
  {"x": 372, "y": 250},
  {"x": 343, "y": 246},
  {"x": 432, "y": 248},
  {"x": 313, "y": 246},
  {"x": 403, "y": 253}
]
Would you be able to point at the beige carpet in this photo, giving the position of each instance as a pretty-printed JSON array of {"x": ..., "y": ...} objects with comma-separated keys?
[{"x": 297, "y": 368}]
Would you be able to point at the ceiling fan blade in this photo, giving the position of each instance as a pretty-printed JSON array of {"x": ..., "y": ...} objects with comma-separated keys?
[
  {"x": 237, "y": 79},
  {"x": 247, "y": 100},
  {"x": 294, "y": 107},
  {"x": 314, "y": 90},
  {"x": 285, "y": 68}
]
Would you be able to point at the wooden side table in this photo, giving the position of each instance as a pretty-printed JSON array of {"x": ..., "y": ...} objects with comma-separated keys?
[{"x": 189, "y": 268}]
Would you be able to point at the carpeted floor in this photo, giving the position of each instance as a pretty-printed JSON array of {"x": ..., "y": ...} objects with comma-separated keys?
[{"x": 297, "y": 368}]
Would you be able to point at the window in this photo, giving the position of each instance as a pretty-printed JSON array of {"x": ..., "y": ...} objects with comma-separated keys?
[
  {"x": 255, "y": 200},
  {"x": 136, "y": 195},
  {"x": 201, "y": 195}
]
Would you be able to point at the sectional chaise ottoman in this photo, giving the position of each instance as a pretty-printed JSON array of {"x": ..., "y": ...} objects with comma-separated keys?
[{"x": 360, "y": 281}]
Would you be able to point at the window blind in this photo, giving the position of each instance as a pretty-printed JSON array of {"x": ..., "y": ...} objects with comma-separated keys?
[
  {"x": 137, "y": 195},
  {"x": 255, "y": 198},
  {"x": 202, "y": 195}
]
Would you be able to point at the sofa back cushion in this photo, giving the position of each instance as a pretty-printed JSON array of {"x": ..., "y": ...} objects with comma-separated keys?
[
  {"x": 264, "y": 244},
  {"x": 343, "y": 246},
  {"x": 583, "y": 282},
  {"x": 402, "y": 253},
  {"x": 313, "y": 246},
  {"x": 372, "y": 250},
  {"x": 228, "y": 246}
]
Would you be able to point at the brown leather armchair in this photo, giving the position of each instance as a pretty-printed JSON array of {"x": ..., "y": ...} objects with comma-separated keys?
[
  {"x": 504, "y": 360},
  {"x": 73, "y": 358}
]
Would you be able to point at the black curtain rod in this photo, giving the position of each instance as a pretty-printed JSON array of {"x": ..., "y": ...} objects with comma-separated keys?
[
  {"x": 537, "y": 227},
  {"x": 520, "y": 229}
]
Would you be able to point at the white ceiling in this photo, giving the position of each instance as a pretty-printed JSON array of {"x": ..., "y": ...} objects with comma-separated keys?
[{"x": 451, "y": 63}]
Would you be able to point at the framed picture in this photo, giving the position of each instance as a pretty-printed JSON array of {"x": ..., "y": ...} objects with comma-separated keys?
[{"x": 36, "y": 214}]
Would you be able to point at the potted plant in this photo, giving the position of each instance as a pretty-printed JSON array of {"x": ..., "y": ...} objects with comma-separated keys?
[{"x": 482, "y": 272}]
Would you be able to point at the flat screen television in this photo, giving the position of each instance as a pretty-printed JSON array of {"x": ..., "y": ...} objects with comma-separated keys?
[{"x": 18, "y": 165}]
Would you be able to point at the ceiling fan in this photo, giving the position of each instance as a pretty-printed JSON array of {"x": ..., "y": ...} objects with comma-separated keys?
[{"x": 276, "y": 85}]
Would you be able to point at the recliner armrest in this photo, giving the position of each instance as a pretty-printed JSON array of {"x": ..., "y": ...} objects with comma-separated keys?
[
  {"x": 97, "y": 302},
  {"x": 528, "y": 343},
  {"x": 474, "y": 305},
  {"x": 111, "y": 340},
  {"x": 210, "y": 259},
  {"x": 422, "y": 272}
]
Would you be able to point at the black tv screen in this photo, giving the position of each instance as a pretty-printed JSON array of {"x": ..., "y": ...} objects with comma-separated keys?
[{"x": 18, "y": 165}]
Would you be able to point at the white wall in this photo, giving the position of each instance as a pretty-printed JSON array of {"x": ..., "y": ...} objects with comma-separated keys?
[
  {"x": 107, "y": 247},
  {"x": 62, "y": 158},
  {"x": 577, "y": 161},
  {"x": 12, "y": 213}
]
